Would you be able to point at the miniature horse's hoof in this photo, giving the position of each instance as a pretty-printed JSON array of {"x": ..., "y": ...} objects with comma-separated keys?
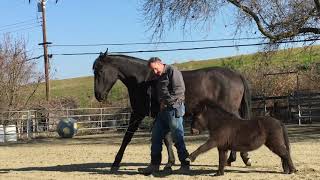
[{"x": 114, "y": 169}]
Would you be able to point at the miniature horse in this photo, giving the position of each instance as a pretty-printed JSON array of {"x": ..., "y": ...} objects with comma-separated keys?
[{"x": 228, "y": 132}]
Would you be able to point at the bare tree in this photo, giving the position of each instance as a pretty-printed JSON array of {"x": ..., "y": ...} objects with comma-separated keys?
[
  {"x": 275, "y": 19},
  {"x": 18, "y": 78}
]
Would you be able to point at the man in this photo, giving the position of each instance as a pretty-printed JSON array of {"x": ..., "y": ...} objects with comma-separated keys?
[{"x": 170, "y": 118}]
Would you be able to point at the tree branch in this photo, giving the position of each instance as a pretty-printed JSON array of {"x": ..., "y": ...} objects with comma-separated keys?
[
  {"x": 317, "y": 2},
  {"x": 255, "y": 18},
  {"x": 281, "y": 35}
]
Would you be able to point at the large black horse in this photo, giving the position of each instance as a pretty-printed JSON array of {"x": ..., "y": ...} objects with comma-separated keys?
[{"x": 223, "y": 86}]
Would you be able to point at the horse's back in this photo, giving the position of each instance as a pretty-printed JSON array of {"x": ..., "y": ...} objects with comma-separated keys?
[{"x": 215, "y": 83}]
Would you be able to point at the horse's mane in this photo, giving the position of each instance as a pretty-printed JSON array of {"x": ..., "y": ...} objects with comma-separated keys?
[
  {"x": 116, "y": 57},
  {"x": 128, "y": 57},
  {"x": 209, "y": 104}
]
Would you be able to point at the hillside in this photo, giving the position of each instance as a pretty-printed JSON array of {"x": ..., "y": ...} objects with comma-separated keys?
[{"x": 81, "y": 89}]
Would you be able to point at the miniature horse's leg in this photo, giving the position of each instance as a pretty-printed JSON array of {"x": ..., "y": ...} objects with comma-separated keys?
[
  {"x": 222, "y": 161},
  {"x": 134, "y": 123},
  {"x": 284, "y": 154},
  {"x": 169, "y": 144},
  {"x": 203, "y": 148}
]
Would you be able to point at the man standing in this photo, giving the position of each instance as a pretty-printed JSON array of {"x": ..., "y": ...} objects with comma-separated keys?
[{"x": 171, "y": 91}]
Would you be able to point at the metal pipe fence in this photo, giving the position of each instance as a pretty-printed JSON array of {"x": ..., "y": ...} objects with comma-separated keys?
[{"x": 30, "y": 123}]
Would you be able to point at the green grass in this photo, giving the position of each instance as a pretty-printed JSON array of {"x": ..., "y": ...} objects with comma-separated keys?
[
  {"x": 285, "y": 58},
  {"x": 81, "y": 89}
]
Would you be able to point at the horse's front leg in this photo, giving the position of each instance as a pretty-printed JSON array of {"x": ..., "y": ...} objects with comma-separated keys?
[
  {"x": 222, "y": 161},
  {"x": 203, "y": 148},
  {"x": 134, "y": 123},
  {"x": 169, "y": 144}
]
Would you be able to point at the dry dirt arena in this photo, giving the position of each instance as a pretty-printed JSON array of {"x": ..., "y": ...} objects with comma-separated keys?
[{"x": 90, "y": 157}]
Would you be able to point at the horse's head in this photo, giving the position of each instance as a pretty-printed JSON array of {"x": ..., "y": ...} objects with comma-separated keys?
[
  {"x": 199, "y": 121},
  {"x": 105, "y": 75}
]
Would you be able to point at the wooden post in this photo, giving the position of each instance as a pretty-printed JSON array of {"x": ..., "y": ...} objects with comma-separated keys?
[{"x": 45, "y": 49}]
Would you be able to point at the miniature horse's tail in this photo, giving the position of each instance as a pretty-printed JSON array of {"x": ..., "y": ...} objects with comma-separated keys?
[{"x": 285, "y": 137}]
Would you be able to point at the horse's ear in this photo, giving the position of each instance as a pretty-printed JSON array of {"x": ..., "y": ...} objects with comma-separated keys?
[{"x": 106, "y": 53}]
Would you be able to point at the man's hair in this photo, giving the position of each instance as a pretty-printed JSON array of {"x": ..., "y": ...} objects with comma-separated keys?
[{"x": 153, "y": 59}]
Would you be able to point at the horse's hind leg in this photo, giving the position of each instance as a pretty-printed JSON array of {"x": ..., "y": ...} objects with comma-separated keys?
[
  {"x": 245, "y": 158},
  {"x": 169, "y": 143},
  {"x": 232, "y": 158}
]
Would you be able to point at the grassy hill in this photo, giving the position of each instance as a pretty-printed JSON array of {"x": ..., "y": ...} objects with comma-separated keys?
[{"x": 81, "y": 89}]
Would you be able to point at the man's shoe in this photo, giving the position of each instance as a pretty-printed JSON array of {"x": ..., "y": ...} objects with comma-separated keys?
[
  {"x": 149, "y": 170},
  {"x": 184, "y": 169},
  {"x": 167, "y": 170},
  {"x": 185, "y": 166}
]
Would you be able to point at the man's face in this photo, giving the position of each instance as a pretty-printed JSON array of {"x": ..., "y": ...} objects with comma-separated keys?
[{"x": 157, "y": 68}]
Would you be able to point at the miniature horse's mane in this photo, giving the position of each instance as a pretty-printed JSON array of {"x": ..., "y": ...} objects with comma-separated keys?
[{"x": 203, "y": 105}]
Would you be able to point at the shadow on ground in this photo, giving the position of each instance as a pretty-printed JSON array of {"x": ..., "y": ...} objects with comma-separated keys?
[{"x": 126, "y": 169}]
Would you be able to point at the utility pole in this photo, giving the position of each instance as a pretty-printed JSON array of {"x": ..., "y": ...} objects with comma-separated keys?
[{"x": 45, "y": 49}]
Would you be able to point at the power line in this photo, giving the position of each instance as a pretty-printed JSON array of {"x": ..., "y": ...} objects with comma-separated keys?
[
  {"x": 185, "y": 49},
  {"x": 21, "y": 22},
  {"x": 162, "y": 42},
  {"x": 20, "y": 27}
]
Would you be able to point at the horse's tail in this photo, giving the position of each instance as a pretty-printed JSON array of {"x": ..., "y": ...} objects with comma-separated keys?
[
  {"x": 285, "y": 136},
  {"x": 245, "y": 107}
]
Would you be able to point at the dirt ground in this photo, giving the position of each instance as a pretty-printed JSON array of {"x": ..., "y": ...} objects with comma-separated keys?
[{"x": 90, "y": 157}]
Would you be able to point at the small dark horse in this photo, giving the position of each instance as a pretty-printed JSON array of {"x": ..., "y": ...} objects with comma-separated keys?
[
  {"x": 228, "y": 132},
  {"x": 223, "y": 86}
]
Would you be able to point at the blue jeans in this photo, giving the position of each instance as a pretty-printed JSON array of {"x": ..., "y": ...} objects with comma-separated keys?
[{"x": 167, "y": 121}]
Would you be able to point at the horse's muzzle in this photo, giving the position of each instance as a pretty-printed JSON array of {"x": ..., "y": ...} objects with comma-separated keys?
[{"x": 98, "y": 97}]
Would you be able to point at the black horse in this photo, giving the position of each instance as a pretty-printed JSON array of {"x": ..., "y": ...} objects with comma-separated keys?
[{"x": 223, "y": 86}]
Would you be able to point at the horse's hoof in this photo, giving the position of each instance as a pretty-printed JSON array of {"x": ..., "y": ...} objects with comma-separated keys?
[
  {"x": 227, "y": 163},
  {"x": 293, "y": 171},
  {"x": 218, "y": 174},
  {"x": 114, "y": 169},
  {"x": 248, "y": 163}
]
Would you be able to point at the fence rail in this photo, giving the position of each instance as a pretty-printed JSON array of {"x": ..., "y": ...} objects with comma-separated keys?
[{"x": 297, "y": 107}]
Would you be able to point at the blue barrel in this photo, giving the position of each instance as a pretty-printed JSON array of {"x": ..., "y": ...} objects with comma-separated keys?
[{"x": 67, "y": 127}]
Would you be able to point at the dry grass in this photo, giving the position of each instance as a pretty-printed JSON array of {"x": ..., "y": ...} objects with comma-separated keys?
[{"x": 90, "y": 157}]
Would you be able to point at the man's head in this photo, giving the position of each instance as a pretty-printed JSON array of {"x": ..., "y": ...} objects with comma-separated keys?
[{"x": 156, "y": 65}]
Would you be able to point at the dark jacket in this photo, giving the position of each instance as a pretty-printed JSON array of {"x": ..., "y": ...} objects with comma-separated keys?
[{"x": 171, "y": 86}]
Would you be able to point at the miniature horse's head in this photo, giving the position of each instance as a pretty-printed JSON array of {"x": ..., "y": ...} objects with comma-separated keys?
[{"x": 199, "y": 122}]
